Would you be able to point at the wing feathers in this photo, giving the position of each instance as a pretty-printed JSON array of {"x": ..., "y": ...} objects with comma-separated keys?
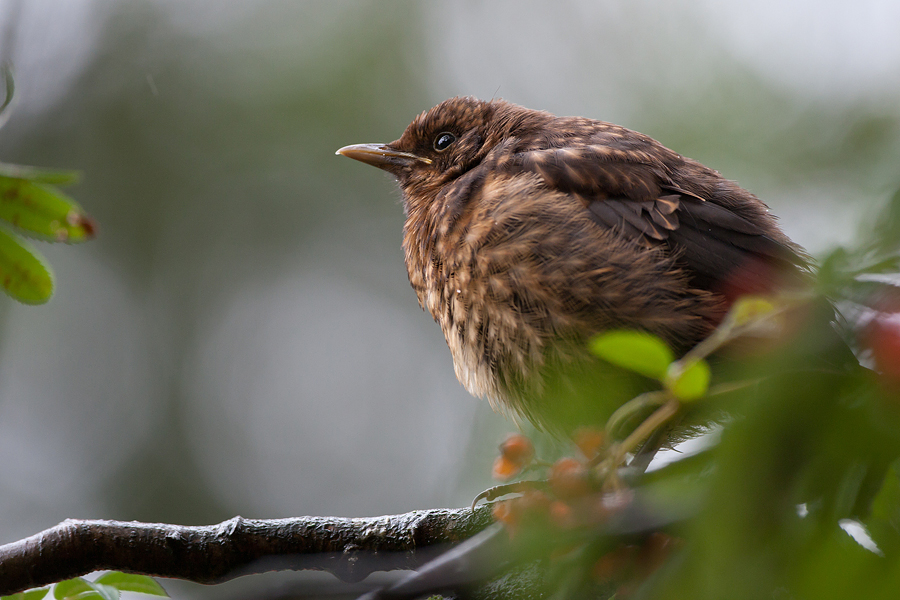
[{"x": 629, "y": 190}]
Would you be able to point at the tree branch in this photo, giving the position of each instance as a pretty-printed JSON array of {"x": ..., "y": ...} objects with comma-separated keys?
[{"x": 351, "y": 549}]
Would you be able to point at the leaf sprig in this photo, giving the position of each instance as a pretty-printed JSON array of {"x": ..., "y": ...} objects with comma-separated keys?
[{"x": 33, "y": 206}]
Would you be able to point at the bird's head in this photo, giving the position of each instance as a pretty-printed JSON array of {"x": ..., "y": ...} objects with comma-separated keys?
[{"x": 445, "y": 142}]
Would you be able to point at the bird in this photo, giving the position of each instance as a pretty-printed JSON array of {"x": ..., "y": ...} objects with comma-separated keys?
[{"x": 526, "y": 233}]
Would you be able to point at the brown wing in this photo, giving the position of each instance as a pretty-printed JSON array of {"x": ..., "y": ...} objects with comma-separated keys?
[{"x": 631, "y": 189}]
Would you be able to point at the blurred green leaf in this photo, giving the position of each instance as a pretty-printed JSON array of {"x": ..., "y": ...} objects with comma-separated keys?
[
  {"x": 833, "y": 269},
  {"x": 878, "y": 254},
  {"x": 691, "y": 383},
  {"x": 128, "y": 582},
  {"x": 838, "y": 567},
  {"x": 39, "y": 175},
  {"x": 884, "y": 522},
  {"x": 887, "y": 225},
  {"x": 43, "y": 211},
  {"x": 29, "y": 595},
  {"x": 24, "y": 274},
  {"x": 748, "y": 308},
  {"x": 634, "y": 350}
]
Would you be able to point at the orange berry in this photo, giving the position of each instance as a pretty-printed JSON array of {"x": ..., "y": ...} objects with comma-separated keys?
[
  {"x": 569, "y": 479},
  {"x": 589, "y": 441},
  {"x": 533, "y": 503},
  {"x": 517, "y": 448},
  {"x": 505, "y": 469},
  {"x": 561, "y": 514}
]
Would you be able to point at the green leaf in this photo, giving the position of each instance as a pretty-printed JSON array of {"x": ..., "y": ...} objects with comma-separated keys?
[
  {"x": 128, "y": 582},
  {"x": 24, "y": 274},
  {"x": 82, "y": 589},
  {"x": 691, "y": 383},
  {"x": 884, "y": 521},
  {"x": 38, "y": 174},
  {"x": 43, "y": 211},
  {"x": 73, "y": 588},
  {"x": 29, "y": 595},
  {"x": 749, "y": 308},
  {"x": 105, "y": 592},
  {"x": 634, "y": 350}
]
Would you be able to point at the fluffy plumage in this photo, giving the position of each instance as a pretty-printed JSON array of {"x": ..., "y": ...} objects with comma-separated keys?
[{"x": 526, "y": 233}]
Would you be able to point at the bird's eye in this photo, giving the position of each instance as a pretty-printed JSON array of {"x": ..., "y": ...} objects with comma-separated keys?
[{"x": 443, "y": 141}]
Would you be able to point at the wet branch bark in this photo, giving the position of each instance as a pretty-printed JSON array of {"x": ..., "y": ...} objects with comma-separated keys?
[{"x": 351, "y": 549}]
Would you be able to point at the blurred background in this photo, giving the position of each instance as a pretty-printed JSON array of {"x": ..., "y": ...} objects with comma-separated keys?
[{"x": 241, "y": 337}]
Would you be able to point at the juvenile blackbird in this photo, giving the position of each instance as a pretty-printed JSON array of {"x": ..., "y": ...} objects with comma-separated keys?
[{"x": 527, "y": 233}]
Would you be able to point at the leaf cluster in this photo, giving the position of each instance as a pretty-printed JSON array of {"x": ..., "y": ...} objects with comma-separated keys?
[
  {"x": 32, "y": 205},
  {"x": 106, "y": 587}
]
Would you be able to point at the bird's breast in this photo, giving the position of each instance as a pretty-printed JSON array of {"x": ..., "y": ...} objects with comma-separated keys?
[
  {"x": 522, "y": 277},
  {"x": 484, "y": 274}
]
